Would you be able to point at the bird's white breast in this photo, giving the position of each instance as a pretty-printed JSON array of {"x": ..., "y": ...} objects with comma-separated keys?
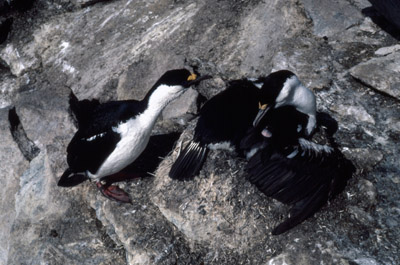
[{"x": 135, "y": 134}]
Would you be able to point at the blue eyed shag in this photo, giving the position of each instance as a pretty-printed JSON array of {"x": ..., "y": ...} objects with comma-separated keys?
[
  {"x": 223, "y": 121},
  {"x": 283, "y": 88},
  {"x": 113, "y": 134},
  {"x": 293, "y": 164}
]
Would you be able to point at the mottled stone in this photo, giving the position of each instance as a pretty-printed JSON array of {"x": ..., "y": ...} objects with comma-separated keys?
[
  {"x": 331, "y": 18},
  {"x": 387, "y": 50},
  {"x": 45, "y": 115},
  {"x": 8, "y": 89},
  {"x": 362, "y": 3},
  {"x": 298, "y": 55},
  {"x": 382, "y": 74},
  {"x": 141, "y": 228},
  {"x": 365, "y": 158},
  {"x": 18, "y": 60},
  {"x": 359, "y": 113},
  {"x": 116, "y": 50},
  {"x": 368, "y": 190},
  {"x": 262, "y": 44},
  {"x": 44, "y": 228},
  {"x": 13, "y": 164}
]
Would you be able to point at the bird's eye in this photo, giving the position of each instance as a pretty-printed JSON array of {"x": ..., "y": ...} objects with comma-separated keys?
[
  {"x": 192, "y": 77},
  {"x": 262, "y": 107}
]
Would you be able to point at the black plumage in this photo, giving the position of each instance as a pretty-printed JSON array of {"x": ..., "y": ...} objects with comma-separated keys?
[
  {"x": 302, "y": 172},
  {"x": 223, "y": 121},
  {"x": 390, "y": 9}
]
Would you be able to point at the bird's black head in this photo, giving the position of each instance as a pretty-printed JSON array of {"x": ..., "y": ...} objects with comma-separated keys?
[
  {"x": 270, "y": 90},
  {"x": 180, "y": 77},
  {"x": 171, "y": 85},
  {"x": 272, "y": 86}
]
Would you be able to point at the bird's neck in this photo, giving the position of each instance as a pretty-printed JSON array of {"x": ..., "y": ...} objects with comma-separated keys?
[
  {"x": 311, "y": 124},
  {"x": 158, "y": 99}
]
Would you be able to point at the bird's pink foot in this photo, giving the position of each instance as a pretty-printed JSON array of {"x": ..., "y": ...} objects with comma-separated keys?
[{"x": 113, "y": 193}]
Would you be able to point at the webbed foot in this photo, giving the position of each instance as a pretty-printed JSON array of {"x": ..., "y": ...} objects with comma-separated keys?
[{"x": 113, "y": 192}]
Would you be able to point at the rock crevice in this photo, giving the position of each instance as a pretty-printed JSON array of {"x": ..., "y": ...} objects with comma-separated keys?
[{"x": 27, "y": 147}]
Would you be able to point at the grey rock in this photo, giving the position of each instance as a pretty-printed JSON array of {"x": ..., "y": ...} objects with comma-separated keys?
[
  {"x": 298, "y": 55},
  {"x": 369, "y": 191},
  {"x": 18, "y": 60},
  {"x": 361, "y": 4},
  {"x": 265, "y": 41},
  {"x": 141, "y": 229},
  {"x": 47, "y": 232},
  {"x": 380, "y": 73},
  {"x": 359, "y": 113},
  {"x": 45, "y": 115},
  {"x": 116, "y": 50},
  {"x": 13, "y": 165},
  {"x": 8, "y": 89},
  {"x": 387, "y": 50},
  {"x": 363, "y": 157},
  {"x": 331, "y": 18}
]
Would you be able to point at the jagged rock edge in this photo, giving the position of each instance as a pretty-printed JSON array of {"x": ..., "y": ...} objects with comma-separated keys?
[
  {"x": 358, "y": 80},
  {"x": 27, "y": 147}
]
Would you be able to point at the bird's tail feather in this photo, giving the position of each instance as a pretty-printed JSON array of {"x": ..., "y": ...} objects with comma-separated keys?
[
  {"x": 189, "y": 162},
  {"x": 70, "y": 179}
]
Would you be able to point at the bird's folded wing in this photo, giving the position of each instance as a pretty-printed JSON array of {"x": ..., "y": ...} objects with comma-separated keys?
[{"x": 88, "y": 152}]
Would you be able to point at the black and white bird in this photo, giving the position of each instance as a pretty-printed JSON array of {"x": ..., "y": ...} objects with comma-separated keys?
[
  {"x": 295, "y": 167},
  {"x": 283, "y": 88},
  {"x": 112, "y": 135},
  {"x": 224, "y": 120}
]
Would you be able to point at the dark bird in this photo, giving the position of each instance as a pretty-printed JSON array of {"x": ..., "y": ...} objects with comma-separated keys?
[
  {"x": 224, "y": 120},
  {"x": 226, "y": 117},
  {"x": 294, "y": 167},
  {"x": 390, "y": 9},
  {"x": 113, "y": 135}
]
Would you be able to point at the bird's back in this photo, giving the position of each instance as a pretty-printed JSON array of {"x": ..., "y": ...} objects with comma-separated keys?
[{"x": 228, "y": 115}]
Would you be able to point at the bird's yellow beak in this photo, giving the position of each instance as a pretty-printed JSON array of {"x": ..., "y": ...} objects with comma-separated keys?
[
  {"x": 262, "y": 107},
  {"x": 192, "y": 77}
]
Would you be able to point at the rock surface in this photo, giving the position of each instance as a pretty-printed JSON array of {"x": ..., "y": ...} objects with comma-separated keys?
[
  {"x": 116, "y": 50},
  {"x": 381, "y": 73}
]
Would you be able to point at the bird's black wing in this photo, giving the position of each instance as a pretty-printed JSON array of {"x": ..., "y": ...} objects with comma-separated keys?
[
  {"x": 89, "y": 153},
  {"x": 228, "y": 115},
  {"x": 94, "y": 118},
  {"x": 305, "y": 175},
  {"x": 223, "y": 118},
  {"x": 189, "y": 161}
]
